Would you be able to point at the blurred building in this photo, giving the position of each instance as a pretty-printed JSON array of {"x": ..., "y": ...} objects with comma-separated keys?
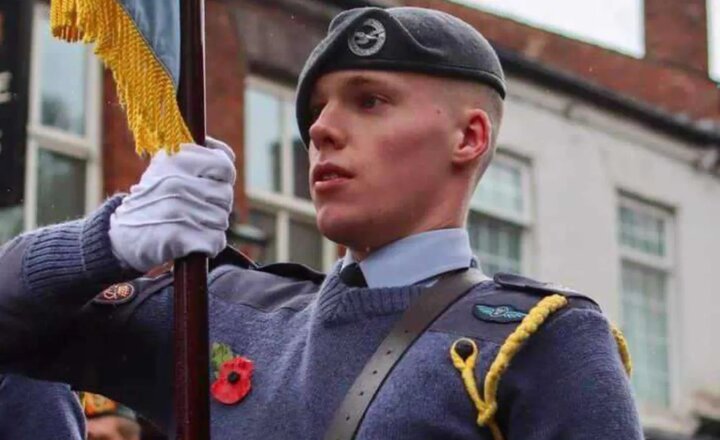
[{"x": 607, "y": 178}]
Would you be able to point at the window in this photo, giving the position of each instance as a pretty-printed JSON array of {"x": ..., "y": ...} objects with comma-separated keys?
[
  {"x": 499, "y": 216},
  {"x": 276, "y": 179},
  {"x": 645, "y": 238},
  {"x": 63, "y": 172},
  {"x": 713, "y": 31},
  {"x": 11, "y": 222},
  {"x": 614, "y": 24}
]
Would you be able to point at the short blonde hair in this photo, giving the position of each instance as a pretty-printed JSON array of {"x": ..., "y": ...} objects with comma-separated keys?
[{"x": 463, "y": 94}]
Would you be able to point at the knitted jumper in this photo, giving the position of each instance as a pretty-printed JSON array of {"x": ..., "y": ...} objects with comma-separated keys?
[
  {"x": 308, "y": 343},
  {"x": 29, "y": 407}
]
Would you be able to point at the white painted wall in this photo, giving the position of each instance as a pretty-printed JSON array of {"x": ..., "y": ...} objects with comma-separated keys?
[{"x": 581, "y": 159}]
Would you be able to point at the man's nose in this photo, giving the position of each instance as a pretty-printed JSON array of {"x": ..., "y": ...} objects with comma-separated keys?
[{"x": 326, "y": 131}]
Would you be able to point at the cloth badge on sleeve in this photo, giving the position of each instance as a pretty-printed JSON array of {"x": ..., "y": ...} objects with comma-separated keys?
[
  {"x": 116, "y": 294},
  {"x": 502, "y": 314}
]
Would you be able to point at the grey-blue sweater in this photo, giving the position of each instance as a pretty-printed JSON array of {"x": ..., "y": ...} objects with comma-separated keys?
[
  {"x": 30, "y": 407},
  {"x": 308, "y": 337}
]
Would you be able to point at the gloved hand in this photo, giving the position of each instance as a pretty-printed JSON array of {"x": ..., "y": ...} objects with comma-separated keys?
[{"x": 181, "y": 205}]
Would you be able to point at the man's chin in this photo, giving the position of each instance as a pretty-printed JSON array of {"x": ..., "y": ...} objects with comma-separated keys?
[{"x": 344, "y": 230}]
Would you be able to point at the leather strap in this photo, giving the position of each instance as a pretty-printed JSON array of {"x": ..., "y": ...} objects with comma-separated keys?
[{"x": 416, "y": 319}]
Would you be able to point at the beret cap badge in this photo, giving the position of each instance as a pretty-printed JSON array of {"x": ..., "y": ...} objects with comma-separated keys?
[{"x": 367, "y": 39}]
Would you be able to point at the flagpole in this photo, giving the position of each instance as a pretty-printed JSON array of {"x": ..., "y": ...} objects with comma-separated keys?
[{"x": 191, "y": 380}]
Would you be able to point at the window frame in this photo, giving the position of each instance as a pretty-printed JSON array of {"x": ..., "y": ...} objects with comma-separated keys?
[
  {"x": 40, "y": 137},
  {"x": 667, "y": 266},
  {"x": 713, "y": 39},
  {"x": 523, "y": 221},
  {"x": 665, "y": 263},
  {"x": 284, "y": 205}
]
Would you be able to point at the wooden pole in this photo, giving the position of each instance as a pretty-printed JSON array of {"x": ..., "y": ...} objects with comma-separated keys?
[{"x": 192, "y": 405}]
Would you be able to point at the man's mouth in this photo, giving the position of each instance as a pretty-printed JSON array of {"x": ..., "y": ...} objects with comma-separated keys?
[
  {"x": 327, "y": 171},
  {"x": 326, "y": 176}
]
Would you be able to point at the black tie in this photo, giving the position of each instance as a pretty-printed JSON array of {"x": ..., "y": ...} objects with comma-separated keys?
[{"x": 352, "y": 276}]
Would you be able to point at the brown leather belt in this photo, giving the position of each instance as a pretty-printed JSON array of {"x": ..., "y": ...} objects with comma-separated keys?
[{"x": 416, "y": 319}]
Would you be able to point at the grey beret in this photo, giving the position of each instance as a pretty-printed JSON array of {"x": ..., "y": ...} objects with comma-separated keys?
[{"x": 401, "y": 39}]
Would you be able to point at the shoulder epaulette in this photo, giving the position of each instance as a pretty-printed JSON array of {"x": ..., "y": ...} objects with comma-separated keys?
[
  {"x": 507, "y": 312},
  {"x": 115, "y": 304},
  {"x": 295, "y": 271},
  {"x": 133, "y": 291},
  {"x": 529, "y": 285},
  {"x": 493, "y": 310},
  {"x": 264, "y": 288},
  {"x": 233, "y": 257}
]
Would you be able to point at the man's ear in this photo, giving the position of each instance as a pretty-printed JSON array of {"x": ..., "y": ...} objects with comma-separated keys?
[{"x": 476, "y": 138}]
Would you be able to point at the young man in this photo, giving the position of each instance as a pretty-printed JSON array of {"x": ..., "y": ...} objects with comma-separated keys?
[{"x": 400, "y": 109}]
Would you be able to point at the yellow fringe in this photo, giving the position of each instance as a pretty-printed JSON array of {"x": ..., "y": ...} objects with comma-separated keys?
[
  {"x": 144, "y": 87},
  {"x": 487, "y": 406},
  {"x": 623, "y": 348}
]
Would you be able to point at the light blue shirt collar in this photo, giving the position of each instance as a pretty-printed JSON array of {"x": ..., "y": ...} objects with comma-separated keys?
[{"x": 416, "y": 258}]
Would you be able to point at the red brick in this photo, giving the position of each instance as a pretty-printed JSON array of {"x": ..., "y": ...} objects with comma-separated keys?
[
  {"x": 676, "y": 33},
  {"x": 121, "y": 166},
  {"x": 225, "y": 78}
]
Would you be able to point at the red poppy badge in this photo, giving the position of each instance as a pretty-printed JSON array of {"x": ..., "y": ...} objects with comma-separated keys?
[{"x": 233, "y": 375}]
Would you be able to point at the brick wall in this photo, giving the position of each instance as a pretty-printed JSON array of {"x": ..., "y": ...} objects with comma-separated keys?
[
  {"x": 672, "y": 75},
  {"x": 120, "y": 165},
  {"x": 225, "y": 77},
  {"x": 279, "y": 35}
]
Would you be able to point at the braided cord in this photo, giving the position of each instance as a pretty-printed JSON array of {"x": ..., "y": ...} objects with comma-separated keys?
[
  {"x": 623, "y": 348},
  {"x": 487, "y": 405}
]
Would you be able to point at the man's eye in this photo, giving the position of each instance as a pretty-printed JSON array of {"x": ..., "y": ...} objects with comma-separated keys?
[{"x": 369, "y": 102}]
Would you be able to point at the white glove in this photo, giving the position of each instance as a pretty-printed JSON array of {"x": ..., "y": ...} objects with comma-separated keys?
[{"x": 181, "y": 205}]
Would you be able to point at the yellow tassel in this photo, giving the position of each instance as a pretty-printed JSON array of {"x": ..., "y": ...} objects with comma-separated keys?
[
  {"x": 487, "y": 405},
  {"x": 624, "y": 350},
  {"x": 145, "y": 88}
]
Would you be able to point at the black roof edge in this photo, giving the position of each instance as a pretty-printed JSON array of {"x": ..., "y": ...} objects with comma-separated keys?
[{"x": 705, "y": 133}]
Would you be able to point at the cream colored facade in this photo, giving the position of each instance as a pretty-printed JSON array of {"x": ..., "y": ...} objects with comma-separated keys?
[{"x": 583, "y": 162}]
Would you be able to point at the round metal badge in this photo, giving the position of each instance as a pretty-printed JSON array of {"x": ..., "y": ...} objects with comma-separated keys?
[{"x": 367, "y": 39}]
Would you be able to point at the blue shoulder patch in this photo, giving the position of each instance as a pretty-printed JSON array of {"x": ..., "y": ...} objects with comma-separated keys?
[{"x": 500, "y": 313}]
